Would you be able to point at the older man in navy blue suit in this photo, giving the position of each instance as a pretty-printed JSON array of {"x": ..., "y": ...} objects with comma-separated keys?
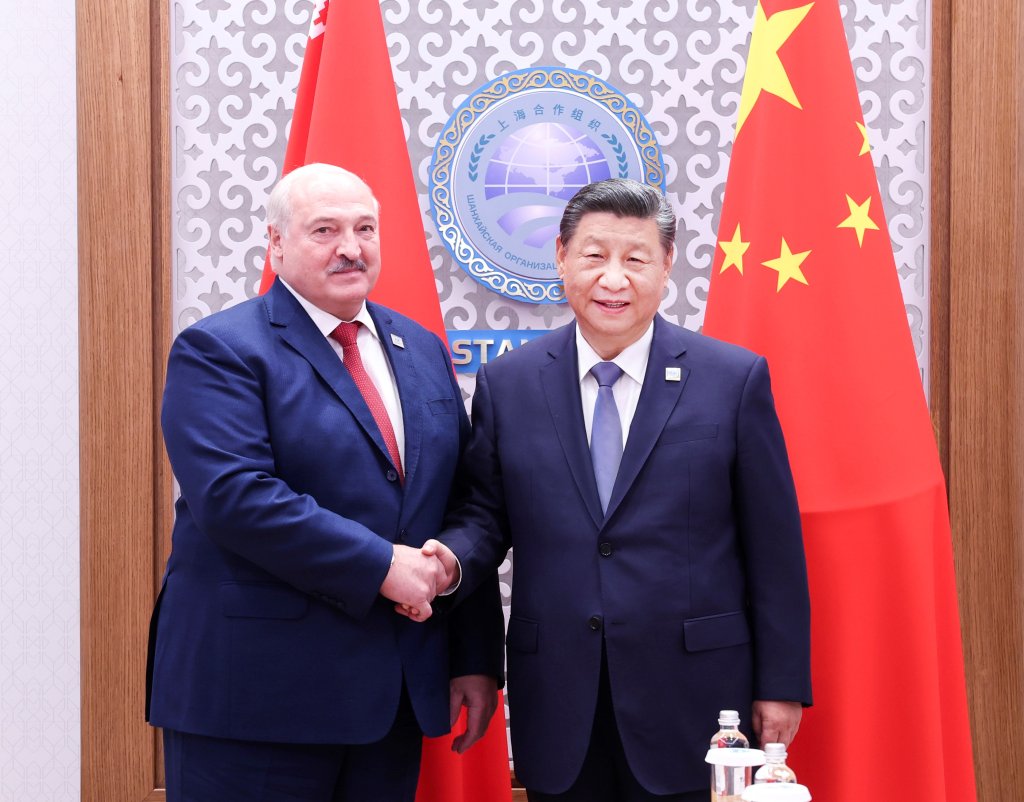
[
  {"x": 639, "y": 472},
  {"x": 315, "y": 438}
]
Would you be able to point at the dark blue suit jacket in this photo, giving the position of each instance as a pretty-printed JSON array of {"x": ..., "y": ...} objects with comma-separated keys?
[
  {"x": 270, "y": 625},
  {"x": 695, "y": 578}
]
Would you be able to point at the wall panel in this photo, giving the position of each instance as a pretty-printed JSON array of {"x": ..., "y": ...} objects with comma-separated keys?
[
  {"x": 978, "y": 242},
  {"x": 39, "y": 469},
  {"x": 121, "y": 107}
]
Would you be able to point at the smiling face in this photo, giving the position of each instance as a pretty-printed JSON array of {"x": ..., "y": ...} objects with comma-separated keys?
[
  {"x": 327, "y": 247},
  {"x": 615, "y": 270}
]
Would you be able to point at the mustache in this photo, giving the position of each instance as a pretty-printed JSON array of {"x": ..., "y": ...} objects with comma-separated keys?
[{"x": 345, "y": 265}]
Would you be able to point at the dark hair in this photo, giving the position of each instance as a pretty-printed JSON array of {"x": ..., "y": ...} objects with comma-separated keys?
[{"x": 622, "y": 197}]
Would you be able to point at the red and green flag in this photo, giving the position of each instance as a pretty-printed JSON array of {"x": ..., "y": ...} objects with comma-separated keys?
[{"x": 346, "y": 113}]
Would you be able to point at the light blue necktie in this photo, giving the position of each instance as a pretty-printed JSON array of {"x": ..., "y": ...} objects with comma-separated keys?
[{"x": 605, "y": 431}]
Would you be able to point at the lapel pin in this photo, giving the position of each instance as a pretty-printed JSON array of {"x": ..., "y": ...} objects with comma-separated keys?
[
  {"x": 673, "y": 374},
  {"x": 398, "y": 341}
]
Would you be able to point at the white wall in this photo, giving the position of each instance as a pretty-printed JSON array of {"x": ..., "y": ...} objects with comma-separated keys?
[{"x": 39, "y": 610}]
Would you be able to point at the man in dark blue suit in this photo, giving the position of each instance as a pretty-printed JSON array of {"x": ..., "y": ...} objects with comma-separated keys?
[
  {"x": 639, "y": 472},
  {"x": 315, "y": 438}
]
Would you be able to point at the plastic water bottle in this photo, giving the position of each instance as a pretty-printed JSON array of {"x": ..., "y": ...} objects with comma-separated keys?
[
  {"x": 774, "y": 769},
  {"x": 728, "y": 782}
]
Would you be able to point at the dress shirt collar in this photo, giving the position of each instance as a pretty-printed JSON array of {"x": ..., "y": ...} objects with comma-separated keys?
[
  {"x": 325, "y": 321},
  {"x": 632, "y": 359}
]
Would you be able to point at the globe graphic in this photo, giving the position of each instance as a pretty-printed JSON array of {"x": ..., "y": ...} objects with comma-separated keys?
[
  {"x": 549, "y": 161},
  {"x": 547, "y": 158}
]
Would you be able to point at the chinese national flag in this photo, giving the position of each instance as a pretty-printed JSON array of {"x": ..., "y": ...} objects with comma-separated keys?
[
  {"x": 804, "y": 274},
  {"x": 346, "y": 113}
]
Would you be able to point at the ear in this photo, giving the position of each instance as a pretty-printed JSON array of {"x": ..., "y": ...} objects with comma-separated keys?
[
  {"x": 560, "y": 257},
  {"x": 667, "y": 268},
  {"x": 274, "y": 235}
]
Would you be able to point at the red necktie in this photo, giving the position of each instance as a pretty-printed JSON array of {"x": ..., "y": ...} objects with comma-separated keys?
[{"x": 345, "y": 334}]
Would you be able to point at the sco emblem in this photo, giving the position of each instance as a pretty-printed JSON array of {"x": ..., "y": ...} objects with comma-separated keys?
[{"x": 510, "y": 158}]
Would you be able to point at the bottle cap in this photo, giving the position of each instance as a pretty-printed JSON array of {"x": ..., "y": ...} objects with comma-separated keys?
[
  {"x": 732, "y": 756},
  {"x": 728, "y": 717},
  {"x": 775, "y": 750},
  {"x": 776, "y": 792}
]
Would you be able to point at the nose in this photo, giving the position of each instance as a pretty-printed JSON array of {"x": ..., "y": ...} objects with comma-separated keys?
[
  {"x": 347, "y": 245},
  {"x": 613, "y": 277}
]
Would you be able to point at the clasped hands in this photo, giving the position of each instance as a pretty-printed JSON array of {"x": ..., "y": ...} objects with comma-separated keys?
[
  {"x": 418, "y": 576},
  {"x": 415, "y": 578}
]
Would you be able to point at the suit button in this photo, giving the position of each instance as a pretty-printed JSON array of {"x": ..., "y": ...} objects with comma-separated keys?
[
  {"x": 391, "y": 475},
  {"x": 594, "y": 623},
  {"x": 605, "y": 549},
  {"x": 402, "y": 535}
]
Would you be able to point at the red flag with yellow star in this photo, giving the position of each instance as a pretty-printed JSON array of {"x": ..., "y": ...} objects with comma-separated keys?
[
  {"x": 346, "y": 113},
  {"x": 804, "y": 274}
]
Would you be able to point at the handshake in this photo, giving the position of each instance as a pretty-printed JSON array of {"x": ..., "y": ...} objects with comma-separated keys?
[{"x": 417, "y": 576}]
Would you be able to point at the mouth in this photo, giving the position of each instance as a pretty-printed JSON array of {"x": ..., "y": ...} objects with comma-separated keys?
[{"x": 612, "y": 306}]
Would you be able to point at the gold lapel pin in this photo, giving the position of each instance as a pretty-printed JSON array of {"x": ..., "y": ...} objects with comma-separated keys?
[{"x": 673, "y": 374}]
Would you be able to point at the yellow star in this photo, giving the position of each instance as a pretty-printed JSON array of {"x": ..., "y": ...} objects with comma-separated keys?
[
  {"x": 866, "y": 147},
  {"x": 765, "y": 72},
  {"x": 788, "y": 265},
  {"x": 859, "y": 219},
  {"x": 734, "y": 250}
]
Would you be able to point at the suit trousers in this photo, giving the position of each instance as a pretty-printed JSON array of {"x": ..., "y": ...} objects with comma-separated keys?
[
  {"x": 205, "y": 769},
  {"x": 606, "y": 775}
]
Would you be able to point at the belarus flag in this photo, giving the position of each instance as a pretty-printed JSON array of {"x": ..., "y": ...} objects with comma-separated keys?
[{"x": 346, "y": 113}]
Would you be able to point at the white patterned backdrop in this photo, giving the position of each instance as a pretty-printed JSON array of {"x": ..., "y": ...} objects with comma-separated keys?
[
  {"x": 235, "y": 67},
  {"x": 39, "y": 611}
]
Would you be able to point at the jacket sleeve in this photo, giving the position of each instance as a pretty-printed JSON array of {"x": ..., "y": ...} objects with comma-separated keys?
[
  {"x": 768, "y": 519},
  {"x": 476, "y": 527},
  {"x": 217, "y": 434},
  {"x": 476, "y": 624}
]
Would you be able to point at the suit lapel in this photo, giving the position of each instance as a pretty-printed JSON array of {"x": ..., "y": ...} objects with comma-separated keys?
[
  {"x": 297, "y": 329},
  {"x": 560, "y": 379},
  {"x": 658, "y": 397}
]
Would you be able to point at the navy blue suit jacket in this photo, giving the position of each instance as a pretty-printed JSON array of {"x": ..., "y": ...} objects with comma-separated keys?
[
  {"x": 695, "y": 578},
  {"x": 270, "y": 625}
]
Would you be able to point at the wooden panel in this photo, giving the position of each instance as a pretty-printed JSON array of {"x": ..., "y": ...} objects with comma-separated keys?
[
  {"x": 938, "y": 268},
  {"x": 161, "y": 279},
  {"x": 122, "y": 319},
  {"x": 978, "y": 264}
]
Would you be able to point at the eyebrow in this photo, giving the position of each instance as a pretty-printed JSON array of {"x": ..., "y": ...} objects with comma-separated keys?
[{"x": 319, "y": 221}]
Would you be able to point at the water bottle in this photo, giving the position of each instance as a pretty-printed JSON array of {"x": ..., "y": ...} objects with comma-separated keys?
[
  {"x": 774, "y": 769},
  {"x": 728, "y": 781}
]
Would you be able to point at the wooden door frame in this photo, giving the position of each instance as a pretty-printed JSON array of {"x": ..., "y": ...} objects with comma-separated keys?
[
  {"x": 977, "y": 348},
  {"x": 124, "y": 332},
  {"x": 125, "y": 329}
]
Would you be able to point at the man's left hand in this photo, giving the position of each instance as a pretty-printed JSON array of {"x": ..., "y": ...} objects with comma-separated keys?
[
  {"x": 776, "y": 722},
  {"x": 478, "y": 693}
]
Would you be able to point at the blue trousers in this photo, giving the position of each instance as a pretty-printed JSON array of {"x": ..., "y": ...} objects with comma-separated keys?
[
  {"x": 204, "y": 769},
  {"x": 605, "y": 775}
]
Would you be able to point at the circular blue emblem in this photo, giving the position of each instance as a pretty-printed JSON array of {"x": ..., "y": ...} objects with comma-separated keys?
[{"x": 510, "y": 158}]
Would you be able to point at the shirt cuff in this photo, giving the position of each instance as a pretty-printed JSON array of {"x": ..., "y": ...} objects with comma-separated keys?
[{"x": 454, "y": 586}]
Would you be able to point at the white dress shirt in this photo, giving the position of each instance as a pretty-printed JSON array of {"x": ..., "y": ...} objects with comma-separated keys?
[
  {"x": 371, "y": 351},
  {"x": 626, "y": 391}
]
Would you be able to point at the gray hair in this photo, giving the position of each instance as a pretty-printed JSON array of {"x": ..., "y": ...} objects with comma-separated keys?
[
  {"x": 279, "y": 204},
  {"x": 622, "y": 197}
]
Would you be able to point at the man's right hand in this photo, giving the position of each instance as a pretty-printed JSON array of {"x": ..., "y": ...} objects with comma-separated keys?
[
  {"x": 413, "y": 580},
  {"x": 449, "y": 576}
]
